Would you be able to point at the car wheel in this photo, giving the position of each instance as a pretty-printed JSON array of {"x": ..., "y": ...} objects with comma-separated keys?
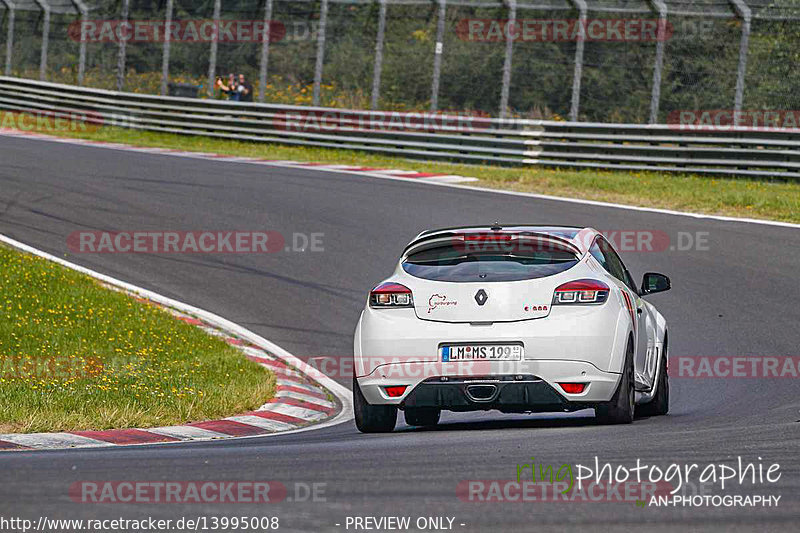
[
  {"x": 372, "y": 418},
  {"x": 620, "y": 409},
  {"x": 659, "y": 405},
  {"x": 422, "y": 416}
]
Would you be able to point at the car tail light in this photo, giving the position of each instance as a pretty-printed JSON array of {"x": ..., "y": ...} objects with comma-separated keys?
[
  {"x": 581, "y": 291},
  {"x": 395, "y": 391},
  {"x": 391, "y": 295},
  {"x": 573, "y": 388}
]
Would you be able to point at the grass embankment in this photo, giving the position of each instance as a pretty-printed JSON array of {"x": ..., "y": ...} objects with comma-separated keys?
[
  {"x": 75, "y": 355},
  {"x": 745, "y": 197}
]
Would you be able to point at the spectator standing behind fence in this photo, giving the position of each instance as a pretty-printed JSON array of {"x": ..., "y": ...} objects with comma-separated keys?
[
  {"x": 245, "y": 90},
  {"x": 231, "y": 89}
]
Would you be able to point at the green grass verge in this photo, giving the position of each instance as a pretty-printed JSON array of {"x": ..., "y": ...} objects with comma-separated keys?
[
  {"x": 765, "y": 199},
  {"x": 76, "y": 355}
]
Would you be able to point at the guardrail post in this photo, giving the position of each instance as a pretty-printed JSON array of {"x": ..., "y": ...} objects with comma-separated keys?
[
  {"x": 122, "y": 44},
  {"x": 580, "y": 5},
  {"x": 11, "y": 8},
  {"x": 212, "y": 56},
  {"x": 262, "y": 74},
  {"x": 744, "y": 13},
  {"x": 437, "y": 55},
  {"x": 512, "y": 22},
  {"x": 165, "y": 52},
  {"x": 83, "y": 9},
  {"x": 45, "y": 7},
  {"x": 658, "y": 65},
  {"x": 378, "y": 66},
  {"x": 323, "y": 23}
]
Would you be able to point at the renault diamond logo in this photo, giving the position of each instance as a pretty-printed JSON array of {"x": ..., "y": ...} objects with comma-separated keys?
[{"x": 481, "y": 297}]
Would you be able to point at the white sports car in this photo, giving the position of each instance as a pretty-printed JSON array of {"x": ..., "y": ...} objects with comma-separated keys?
[{"x": 514, "y": 318}]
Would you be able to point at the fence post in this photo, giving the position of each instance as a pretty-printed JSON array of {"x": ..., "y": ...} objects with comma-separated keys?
[
  {"x": 580, "y": 5},
  {"x": 45, "y": 7},
  {"x": 11, "y": 8},
  {"x": 212, "y": 56},
  {"x": 122, "y": 48},
  {"x": 83, "y": 9},
  {"x": 512, "y": 22},
  {"x": 166, "y": 50},
  {"x": 323, "y": 22},
  {"x": 437, "y": 55},
  {"x": 262, "y": 75},
  {"x": 744, "y": 13},
  {"x": 658, "y": 65},
  {"x": 378, "y": 66}
]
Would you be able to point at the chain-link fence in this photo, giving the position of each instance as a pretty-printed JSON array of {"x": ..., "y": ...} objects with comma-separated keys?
[{"x": 634, "y": 61}]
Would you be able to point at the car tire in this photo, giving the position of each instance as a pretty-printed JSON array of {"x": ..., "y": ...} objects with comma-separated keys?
[
  {"x": 659, "y": 405},
  {"x": 620, "y": 409},
  {"x": 372, "y": 418},
  {"x": 422, "y": 416}
]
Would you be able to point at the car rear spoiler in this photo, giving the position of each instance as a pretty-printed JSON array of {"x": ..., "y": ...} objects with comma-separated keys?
[{"x": 464, "y": 234}]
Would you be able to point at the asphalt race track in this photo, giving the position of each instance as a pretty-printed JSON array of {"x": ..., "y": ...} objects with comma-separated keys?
[{"x": 738, "y": 297}]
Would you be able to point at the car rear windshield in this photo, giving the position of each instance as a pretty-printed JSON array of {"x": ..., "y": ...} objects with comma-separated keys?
[{"x": 463, "y": 262}]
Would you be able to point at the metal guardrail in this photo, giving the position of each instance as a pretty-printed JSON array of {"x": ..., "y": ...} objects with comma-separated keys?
[{"x": 734, "y": 151}]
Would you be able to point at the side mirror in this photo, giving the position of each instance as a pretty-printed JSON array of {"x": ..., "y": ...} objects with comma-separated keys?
[{"x": 653, "y": 282}]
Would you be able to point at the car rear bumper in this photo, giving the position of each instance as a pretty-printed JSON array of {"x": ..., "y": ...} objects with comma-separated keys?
[
  {"x": 531, "y": 386},
  {"x": 504, "y": 393}
]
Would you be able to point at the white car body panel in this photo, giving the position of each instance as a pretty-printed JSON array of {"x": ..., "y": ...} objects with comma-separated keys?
[{"x": 562, "y": 343}]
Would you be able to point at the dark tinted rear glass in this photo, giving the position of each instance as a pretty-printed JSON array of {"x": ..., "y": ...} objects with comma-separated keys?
[{"x": 458, "y": 262}]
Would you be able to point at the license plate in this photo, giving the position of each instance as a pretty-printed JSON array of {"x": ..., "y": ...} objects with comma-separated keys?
[{"x": 481, "y": 352}]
